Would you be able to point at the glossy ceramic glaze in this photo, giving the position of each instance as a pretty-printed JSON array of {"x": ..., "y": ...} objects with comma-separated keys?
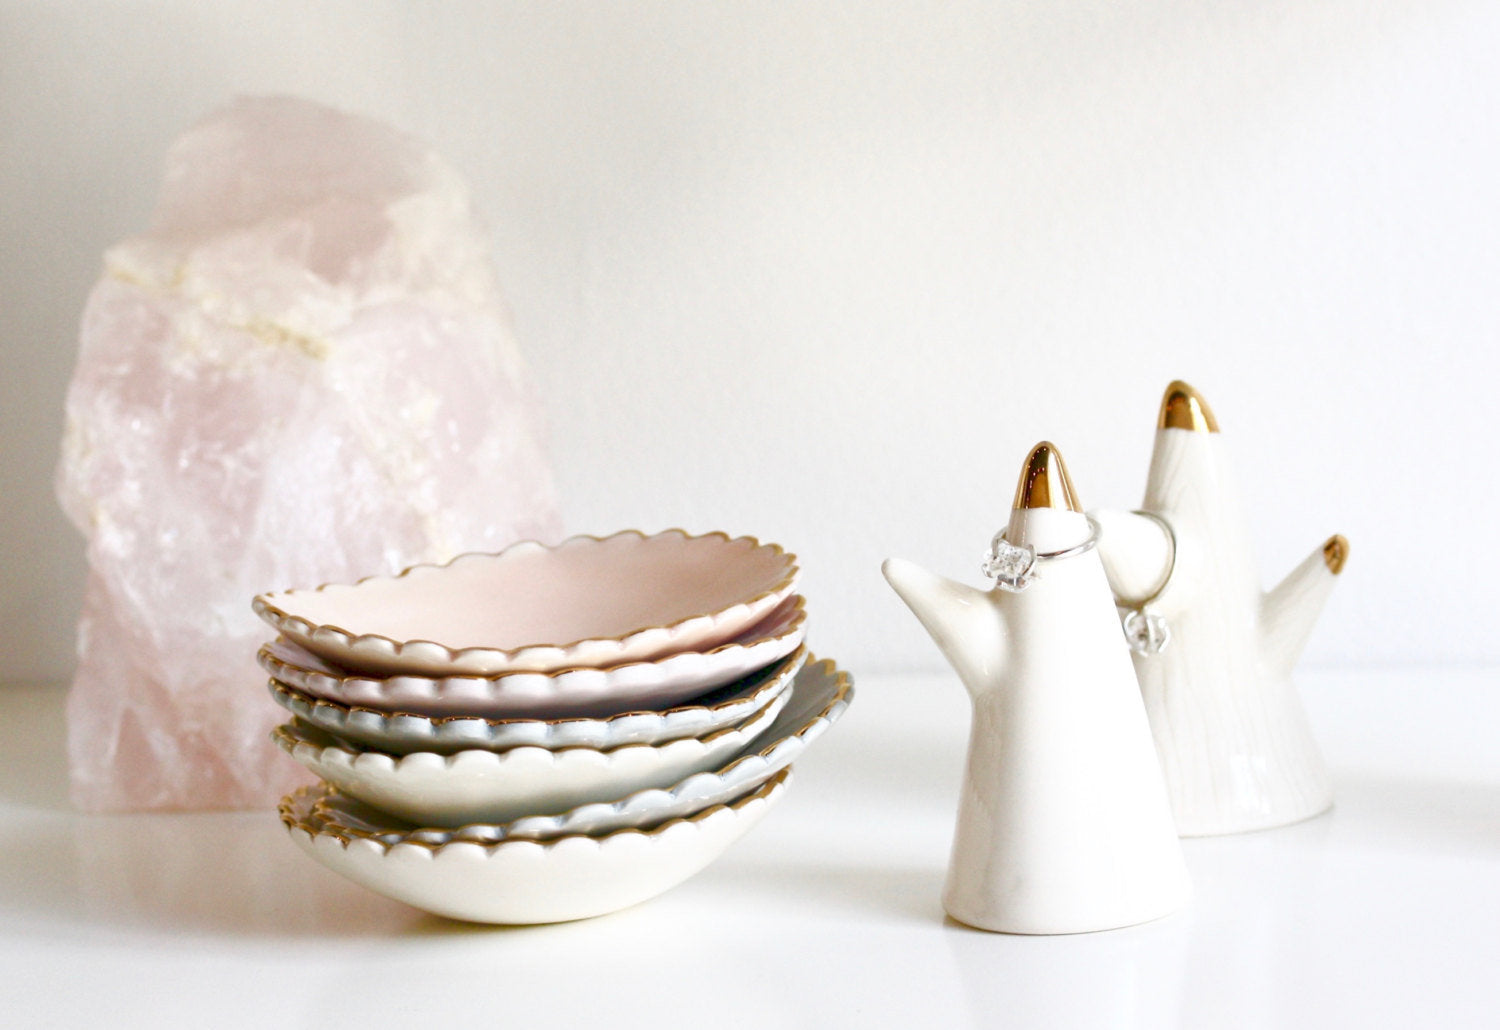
[
  {"x": 1234, "y": 741},
  {"x": 822, "y": 694},
  {"x": 527, "y": 881},
  {"x": 402, "y": 732},
  {"x": 472, "y": 786},
  {"x": 531, "y": 608},
  {"x": 1063, "y": 822},
  {"x": 660, "y": 683}
]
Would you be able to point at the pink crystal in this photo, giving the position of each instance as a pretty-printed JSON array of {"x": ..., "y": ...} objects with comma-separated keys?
[{"x": 302, "y": 373}]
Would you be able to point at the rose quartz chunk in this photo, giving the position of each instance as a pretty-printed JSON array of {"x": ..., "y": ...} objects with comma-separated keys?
[{"x": 302, "y": 373}]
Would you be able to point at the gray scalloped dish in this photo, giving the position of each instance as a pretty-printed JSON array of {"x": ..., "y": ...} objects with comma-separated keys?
[{"x": 405, "y": 732}]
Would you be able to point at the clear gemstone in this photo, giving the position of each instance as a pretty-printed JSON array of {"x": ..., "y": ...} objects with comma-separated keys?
[
  {"x": 1146, "y": 632},
  {"x": 1008, "y": 564}
]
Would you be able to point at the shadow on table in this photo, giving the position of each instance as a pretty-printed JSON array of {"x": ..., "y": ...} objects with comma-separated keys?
[
  {"x": 221, "y": 874},
  {"x": 217, "y": 873}
]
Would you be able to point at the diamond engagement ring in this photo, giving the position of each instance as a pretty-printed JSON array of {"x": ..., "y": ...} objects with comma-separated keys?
[
  {"x": 1013, "y": 567},
  {"x": 1146, "y": 631}
]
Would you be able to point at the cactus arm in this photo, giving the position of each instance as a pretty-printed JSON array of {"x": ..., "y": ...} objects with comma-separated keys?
[
  {"x": 1288, "y": 612},
  {"x": 961, "y": 620}
]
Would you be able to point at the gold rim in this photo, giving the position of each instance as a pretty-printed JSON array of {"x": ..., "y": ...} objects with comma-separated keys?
[{"x": 286, "y": 810}]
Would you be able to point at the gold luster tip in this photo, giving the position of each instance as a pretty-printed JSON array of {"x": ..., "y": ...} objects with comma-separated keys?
[
  {"x": 1335, "y": 553},
  {"x": 1045, "y": 482},
  {"x": 1183, "y": 407}
]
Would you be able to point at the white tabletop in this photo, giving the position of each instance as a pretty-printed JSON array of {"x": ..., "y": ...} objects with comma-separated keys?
[{"x": 1385, "y": 912}]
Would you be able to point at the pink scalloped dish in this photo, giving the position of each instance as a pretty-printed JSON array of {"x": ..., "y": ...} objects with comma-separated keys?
[{"x": 586, "y": 602}]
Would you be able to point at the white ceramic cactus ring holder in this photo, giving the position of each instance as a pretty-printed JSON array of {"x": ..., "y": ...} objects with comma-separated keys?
[
  {"x": 1147, "y": 631},
  {"x": 1013, "y": 566},
  {"x": 1064, "y": 823},
  {"x": 1236, "y": 747}
]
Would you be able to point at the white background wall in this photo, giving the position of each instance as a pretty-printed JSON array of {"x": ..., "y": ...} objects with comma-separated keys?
[{"x": 822, "y": 273}]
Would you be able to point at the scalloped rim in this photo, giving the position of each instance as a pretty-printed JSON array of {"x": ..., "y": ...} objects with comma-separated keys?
[
  {"x": 353, "y": 756},
  {"x": 493, "y": 660},
  {"x": 789, "y": 631},
  {"x": 746, "y": 772},
  {"x": 307, "y": 823},
  {"x": 552, "y": 734}
]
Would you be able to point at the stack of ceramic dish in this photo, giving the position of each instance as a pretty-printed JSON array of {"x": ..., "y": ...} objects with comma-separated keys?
[{"x": 547, "y": 733}]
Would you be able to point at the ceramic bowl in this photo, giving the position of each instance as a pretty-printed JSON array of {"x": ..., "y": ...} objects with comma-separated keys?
[
  {"x": 473, "y": 786},
  {"x": 821, "y": 696},
  {"x": 531, "y": 608},
  {"x": 403, "y": 732},
  {"x": 661, "y": 683},
  {"x": 527, "y": 881}
]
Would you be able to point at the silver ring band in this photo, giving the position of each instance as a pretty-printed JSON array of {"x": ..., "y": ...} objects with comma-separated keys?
[
  {"x": 1166, "y": 527},
  {"x": 1080, "y": 548},
  {"x": 1146, "y": 631},
  {"x": 1013, "y": 566}
]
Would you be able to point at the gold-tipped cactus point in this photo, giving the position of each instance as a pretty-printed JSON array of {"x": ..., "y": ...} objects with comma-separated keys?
[
  {"x": 1045, "y": 482},
  {"x": 1335, "y": 553},
  {"x": 1183, "y": 407}
]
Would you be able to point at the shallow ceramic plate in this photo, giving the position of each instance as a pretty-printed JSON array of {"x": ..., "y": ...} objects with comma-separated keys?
[
  {"x": 540, "y": 695},
  {"x": 526, "y": 881},
  {"x": 532, "y": 608},
  {"x": 821, "y": 696},
  {"x": 402, "y": 733},
  {"x": 432, "y": 789}
]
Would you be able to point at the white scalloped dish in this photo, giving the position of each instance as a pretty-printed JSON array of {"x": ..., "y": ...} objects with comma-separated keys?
[
  {"x": 532, "y": 608},
  {"x": 497, "y": 786},
  {"x": 585, "y": 692},
  {"x": 521, "y": 881},
  {"x": 404, "y": 732},
  {"x": 822, "y": 694}
]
